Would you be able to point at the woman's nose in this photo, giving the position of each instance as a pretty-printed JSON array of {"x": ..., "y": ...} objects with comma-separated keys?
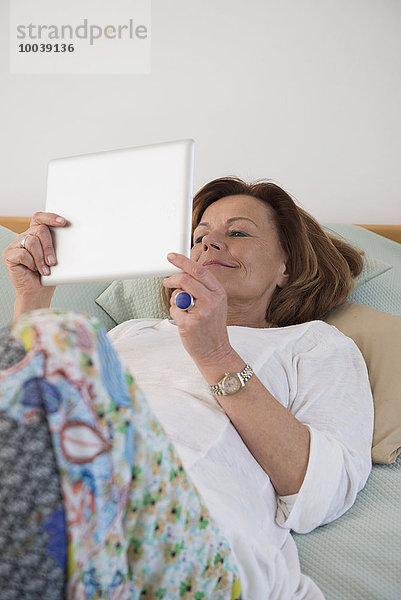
[{"x": 213, "y": 240}]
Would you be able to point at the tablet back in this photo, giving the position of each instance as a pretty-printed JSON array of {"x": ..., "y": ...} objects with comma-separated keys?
[{"x": 126, "y": 208}]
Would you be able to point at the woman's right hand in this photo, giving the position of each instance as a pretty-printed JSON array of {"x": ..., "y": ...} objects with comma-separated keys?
[{"x": 25, "y": 265}]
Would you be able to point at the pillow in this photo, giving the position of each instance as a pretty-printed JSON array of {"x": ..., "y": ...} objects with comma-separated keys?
[
  {"x": 140, "y": 298},
  {"x": 384, "y": 292},
  {"x": 372, "y": 267},
  {"x": 133, "y": 299},
  {"x": 378, "y": 337}
]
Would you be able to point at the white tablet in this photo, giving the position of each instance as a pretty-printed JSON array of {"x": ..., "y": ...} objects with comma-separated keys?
[{"x": 127, "y": 209}]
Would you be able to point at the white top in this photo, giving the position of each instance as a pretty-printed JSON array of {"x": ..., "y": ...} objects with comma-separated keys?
[{"x": 319, "y": 375}]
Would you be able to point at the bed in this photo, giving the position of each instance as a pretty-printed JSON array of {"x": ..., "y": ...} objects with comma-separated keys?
[{"x": 358, "y": 556}]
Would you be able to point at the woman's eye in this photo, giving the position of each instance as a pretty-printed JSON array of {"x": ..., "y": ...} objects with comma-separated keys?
[
  {"x": 238, "y": 234},
  {"x": 234, "y": 233}
]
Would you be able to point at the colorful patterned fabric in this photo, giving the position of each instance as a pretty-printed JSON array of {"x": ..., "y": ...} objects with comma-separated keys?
[
  {"x": 134, "y": 523},
  {"x": 32, "y": 525}
]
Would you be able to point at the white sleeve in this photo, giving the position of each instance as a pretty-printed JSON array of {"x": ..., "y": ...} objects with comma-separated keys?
[{"x": 333, "y": 398}]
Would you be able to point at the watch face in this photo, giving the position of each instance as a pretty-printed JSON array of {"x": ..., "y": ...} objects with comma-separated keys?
[{"x": 231, "y": 383}]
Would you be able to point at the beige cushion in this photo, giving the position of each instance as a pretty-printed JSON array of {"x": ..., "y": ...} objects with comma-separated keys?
[{"x": 378, "y": 336}]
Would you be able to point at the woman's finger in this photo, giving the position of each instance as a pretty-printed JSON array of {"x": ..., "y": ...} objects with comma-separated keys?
[
  {"x": 46, "y": 218},
  {"x": 196, "y": 271},
  {"x": 187, "y": 283},
  {"x": 33, "y": 246},
  {"x": 16, "y": 257},
  {"x": 39, "y": 227},
  {"x": 42, "y": 233},
  {"x": 41, "y": 221}
]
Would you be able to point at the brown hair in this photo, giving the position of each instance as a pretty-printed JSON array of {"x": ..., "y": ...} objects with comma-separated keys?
[{"x": 321, "y": 266}]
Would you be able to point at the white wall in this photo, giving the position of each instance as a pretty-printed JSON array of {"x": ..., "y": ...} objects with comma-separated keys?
[{"x": 304, "y": 92}]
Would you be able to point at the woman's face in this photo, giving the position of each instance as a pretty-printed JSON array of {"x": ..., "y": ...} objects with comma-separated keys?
[{"x": 237, "y": 241}]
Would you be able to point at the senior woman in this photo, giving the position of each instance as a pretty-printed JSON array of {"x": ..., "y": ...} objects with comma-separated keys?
[{"x": 268, "y": 407}]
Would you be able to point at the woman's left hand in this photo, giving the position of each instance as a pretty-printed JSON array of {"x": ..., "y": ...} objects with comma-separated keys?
[{"x": 203, "y": 328}]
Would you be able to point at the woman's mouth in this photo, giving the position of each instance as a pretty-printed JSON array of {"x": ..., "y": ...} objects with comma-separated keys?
[{"x": 217, "y": 263}]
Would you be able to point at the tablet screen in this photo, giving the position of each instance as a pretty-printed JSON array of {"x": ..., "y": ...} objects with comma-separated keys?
[{"x": 127, "y": 209}]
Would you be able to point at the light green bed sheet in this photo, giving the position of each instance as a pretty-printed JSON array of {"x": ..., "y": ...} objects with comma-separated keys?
[{"x": 358, "y": 557}]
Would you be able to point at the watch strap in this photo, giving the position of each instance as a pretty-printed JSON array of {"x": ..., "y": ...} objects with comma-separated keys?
[{"x": 243, "y": 376}]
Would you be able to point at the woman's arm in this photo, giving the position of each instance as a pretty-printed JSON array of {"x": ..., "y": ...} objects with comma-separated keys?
[
  {"x": 25, "y": 265},
  {"x": 278, "y": 441}
]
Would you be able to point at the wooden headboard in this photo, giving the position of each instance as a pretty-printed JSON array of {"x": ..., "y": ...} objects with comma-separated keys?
[
  {"x": 17, "y": 224},
  {"x": 392, "y": 232}
]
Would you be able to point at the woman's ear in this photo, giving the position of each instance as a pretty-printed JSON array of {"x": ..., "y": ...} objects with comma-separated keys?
[{"x": 283, "y": 276}]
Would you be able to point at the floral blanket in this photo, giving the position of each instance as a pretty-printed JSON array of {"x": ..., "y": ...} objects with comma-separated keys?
[{"x": 94, "y": 502}]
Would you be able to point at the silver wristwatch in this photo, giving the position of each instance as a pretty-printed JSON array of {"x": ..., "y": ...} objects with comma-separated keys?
[{"x": 232, "y": 382}]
